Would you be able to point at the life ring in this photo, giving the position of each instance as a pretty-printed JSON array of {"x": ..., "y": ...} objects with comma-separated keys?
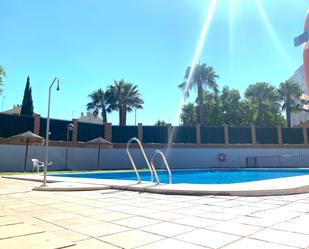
[{"x": 221, "y": 157}]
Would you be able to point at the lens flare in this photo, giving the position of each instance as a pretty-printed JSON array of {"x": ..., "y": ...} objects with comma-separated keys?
[
  {"x": 197, "y": 54},
  {"x": 274, "y": 37}
]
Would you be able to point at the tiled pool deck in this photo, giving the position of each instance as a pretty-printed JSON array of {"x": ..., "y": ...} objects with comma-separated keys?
[{"x": 124, "y": 219}]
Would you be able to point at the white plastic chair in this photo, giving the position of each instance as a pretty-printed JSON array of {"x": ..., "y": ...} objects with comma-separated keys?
[{"x": 37, "y": 164}]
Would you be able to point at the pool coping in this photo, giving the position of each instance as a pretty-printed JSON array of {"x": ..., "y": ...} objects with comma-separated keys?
[{"x": 279, "y": 186}]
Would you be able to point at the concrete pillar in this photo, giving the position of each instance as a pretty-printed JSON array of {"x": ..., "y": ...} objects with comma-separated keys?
[
  {"x": 75, "y": 131},
  {"x": 226, "y": 134},
  {"x": 305, "y": 135},
  {"x": 198, "y": 133},
  {"x": 279, "y": 132},
  {"x": 140, "y": 132},
  {"x": 108, "y": 132},
  {"x": 253, "y": 134},
  {"x": 169, "y": 133},
  {"x": 37, "y": 123}
]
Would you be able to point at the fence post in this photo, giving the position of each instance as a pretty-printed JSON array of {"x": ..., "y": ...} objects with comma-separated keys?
[
  {"x": 36, "y": 124},
  {"x": 305, "y": 135},
  {"x": 198, "y": 133},
  {"x": 169, "y": 133},
  {"x": 75, "y": 130},
  {"x": 140, "y": 132},
  {"x": 108, "y": 131},
  {"x": 226, "y": 134},
  {"x": 279, "y": 131},
  {"x": 253, "y": 134}
]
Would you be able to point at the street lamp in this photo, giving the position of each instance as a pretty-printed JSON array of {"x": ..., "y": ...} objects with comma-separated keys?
[
  {"x": 47, "y": 129},
  {"x": 70, "y": 127}
]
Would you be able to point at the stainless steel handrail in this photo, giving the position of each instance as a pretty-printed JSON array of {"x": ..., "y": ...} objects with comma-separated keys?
[
  {"x": 159, "y": 152},
  {"x": 151, "y": 168}
]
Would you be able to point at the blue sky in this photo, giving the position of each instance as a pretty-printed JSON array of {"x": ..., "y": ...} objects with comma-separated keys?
[{"x": 88, "y": 44}]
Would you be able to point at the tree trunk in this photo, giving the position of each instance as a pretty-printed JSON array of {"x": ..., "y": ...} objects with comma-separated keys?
[
  {"x": 120, "y": 115},
  {"x": 124, "y": 115},
  {"x": 104, "y": 115},
  {"x": 288, "y": 114},
  {"x": 200, "y": 105},
  {"x": 260, "y": 115}
]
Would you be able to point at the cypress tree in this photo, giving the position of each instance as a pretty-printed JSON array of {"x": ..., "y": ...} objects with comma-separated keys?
[{"x": 27, "y": 105}]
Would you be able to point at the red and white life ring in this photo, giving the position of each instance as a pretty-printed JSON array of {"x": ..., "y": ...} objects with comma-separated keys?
[{"x": 221, "y": 157}]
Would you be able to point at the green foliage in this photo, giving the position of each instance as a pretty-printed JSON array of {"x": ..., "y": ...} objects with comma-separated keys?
[
  {"x": 2, "y": 74},
  {"x": 99, "y": 104},
  {"x": 289, "y": 93},
  {"x": 265, "y": 100},
  {"x": 27, "y": 105},
  {"x": 201, "y": 77},
  {"x": 189, "y": 115},
  {"x": 160, "y": 123},
  {"x": 124, "y": 97}
]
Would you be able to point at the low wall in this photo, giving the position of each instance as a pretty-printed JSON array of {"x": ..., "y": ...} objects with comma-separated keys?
[{"x": 12, "y": 157}]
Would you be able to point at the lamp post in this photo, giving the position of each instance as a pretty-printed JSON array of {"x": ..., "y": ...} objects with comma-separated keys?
[
  {"x": 70, "y": 127},
  {"x": 47, "y": 129}
]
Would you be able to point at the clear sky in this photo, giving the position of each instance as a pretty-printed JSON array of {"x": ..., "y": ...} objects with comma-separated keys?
[{"x": 88, "y": 44}]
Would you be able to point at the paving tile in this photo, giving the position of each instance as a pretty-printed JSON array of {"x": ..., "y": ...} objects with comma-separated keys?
[
  {"x": 208, "y": 238},
  {"x": 217, "y": 216},
  {"x": 136, "y": 222},
  {"x": 101, "y": 229},
  {"x": 131, "y": 239},
  {"x": 171, "y": 244},
  {"x": 283, "y": 237},
  {"x": 18, "y": 230},
  {"x": 167, "y": 229},
  {"x": 234, "y": 228},
  {"x": 255, "y": 244},
  {"x": 111, "y": 216},
  {"x": 165, "y": 216},
  {"x": 195, "y": 222},
  {"x": 35, "y": 241},
  {"x": 292, "y": 227},
  {"x": 69, "y": 235},
  {"x": 92, "y": 244}
]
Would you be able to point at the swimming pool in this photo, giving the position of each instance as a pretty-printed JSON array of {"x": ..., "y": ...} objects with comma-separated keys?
[{"x": 198, "y": 176}]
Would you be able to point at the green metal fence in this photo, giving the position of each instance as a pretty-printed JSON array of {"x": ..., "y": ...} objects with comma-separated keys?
[
  {"x": 240, "y": 135},
  {"x": 11, "y": 125},
  {"x": 183, "y": 134},
  {"x": 212, "y": 135},
  {"x": 122, "y": 134},
  {"x": 155, "y": 134},
  {"x": 87, "y": 131},
  {"x": 292, "y": 136},
  {"x": 266, "y": 136},
  {"x": 57, "y": 129}
]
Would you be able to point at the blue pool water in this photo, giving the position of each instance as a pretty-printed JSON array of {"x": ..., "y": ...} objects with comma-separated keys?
[{"x": 198, "y": 176}]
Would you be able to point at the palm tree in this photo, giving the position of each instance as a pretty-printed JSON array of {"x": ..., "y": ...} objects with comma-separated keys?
[
  {"x": 124, "y": 97},
  {"x": 289, "y": 91},
  {"x": 188, "y": 115},
  {"x": 2, "y": 74},
  {"x": 201, "y": 78},
  {"x": 99, "y": 103},
  {"x": 262, "y": 95}
]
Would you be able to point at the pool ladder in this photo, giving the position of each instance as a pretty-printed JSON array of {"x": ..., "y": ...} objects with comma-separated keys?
[{"x": 150, "y": 165}]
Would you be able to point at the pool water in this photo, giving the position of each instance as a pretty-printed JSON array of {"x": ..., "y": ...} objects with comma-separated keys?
[{"x": 197, "y": 176}]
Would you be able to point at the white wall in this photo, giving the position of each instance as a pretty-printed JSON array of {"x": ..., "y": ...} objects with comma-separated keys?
[{"x": 12, "y": 157}]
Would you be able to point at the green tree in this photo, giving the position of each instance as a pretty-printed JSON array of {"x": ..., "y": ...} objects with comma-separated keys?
[
  {"x": 201, "y": 78},
  {"x": 160, "y": 123},
  {"x": 124, "y": 97},
  {"x": 27, "y": 105},
  {"x": 289, "y": 91},
  {"x": 230, "y": 103},
  {"x": 189, "y": 115},
  {"x": 99, "y": 104},
  {"x": 264, "y": 98},
  {"x": 2, "y": 74}
]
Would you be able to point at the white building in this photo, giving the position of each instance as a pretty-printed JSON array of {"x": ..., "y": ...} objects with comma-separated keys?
[
  {"x": 299, "y": 117},
  {"x": 90, "y": 118}
]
